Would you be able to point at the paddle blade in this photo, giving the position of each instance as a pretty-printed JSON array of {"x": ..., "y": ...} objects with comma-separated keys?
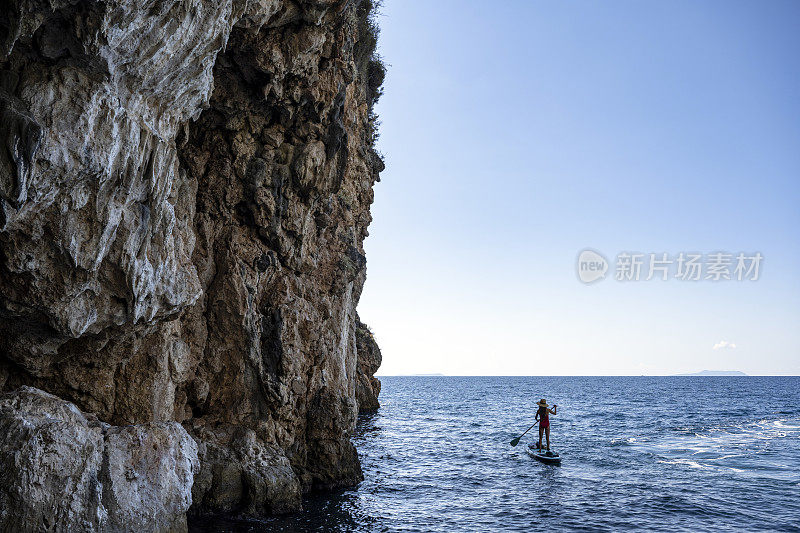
[{"x": 515, "y": 441}]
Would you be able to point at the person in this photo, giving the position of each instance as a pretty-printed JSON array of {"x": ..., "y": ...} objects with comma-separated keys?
[{"x": 543, "y": 416}]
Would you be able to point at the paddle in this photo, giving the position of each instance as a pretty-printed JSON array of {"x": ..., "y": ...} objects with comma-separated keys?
[{"x": 516, "y": 441}]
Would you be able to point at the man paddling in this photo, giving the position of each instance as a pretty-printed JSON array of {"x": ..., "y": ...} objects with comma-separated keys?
[{"x": 543, "y": 417}]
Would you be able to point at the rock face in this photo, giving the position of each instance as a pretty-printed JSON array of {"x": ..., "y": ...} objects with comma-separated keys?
[
  {"x": 184, "y": 194},
  {"x": 369, "y": 360},
  {"x": 64, "y": 470}
]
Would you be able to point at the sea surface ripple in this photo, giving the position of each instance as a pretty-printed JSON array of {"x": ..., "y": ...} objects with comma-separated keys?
[{"x": 639, "y": 453}]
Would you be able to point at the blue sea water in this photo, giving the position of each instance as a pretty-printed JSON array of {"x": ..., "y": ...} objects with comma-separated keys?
[{"x": 639, "y": 453}]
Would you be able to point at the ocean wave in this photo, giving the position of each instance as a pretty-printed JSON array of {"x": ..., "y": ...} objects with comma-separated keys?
[
  {"x": 687, "y": 462},
  {"x": 625, "y": 441}
]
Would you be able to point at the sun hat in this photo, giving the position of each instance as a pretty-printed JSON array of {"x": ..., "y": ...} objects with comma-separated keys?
[{"x": 542, "y": 403}]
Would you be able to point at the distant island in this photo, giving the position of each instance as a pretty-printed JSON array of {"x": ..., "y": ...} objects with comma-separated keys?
[{"x": 716, "y": 373}]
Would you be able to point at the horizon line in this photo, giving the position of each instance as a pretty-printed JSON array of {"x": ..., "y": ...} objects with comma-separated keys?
[{"x": 682, "y": 375}]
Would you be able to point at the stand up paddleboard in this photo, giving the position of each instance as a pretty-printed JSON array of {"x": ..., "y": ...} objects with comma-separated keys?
[{"x": 548, "y": 458}]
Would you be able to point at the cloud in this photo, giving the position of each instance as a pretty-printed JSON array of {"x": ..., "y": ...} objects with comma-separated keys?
[{"x": 724, "y": 345}]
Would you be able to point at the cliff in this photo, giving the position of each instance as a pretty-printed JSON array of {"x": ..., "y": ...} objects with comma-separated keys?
[
  {"x": 184, "y": 195},
  {"x": 368, "y": 386}
]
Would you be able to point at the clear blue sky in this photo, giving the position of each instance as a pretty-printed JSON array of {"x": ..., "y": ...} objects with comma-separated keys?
[{"x": 518, "y": 133}]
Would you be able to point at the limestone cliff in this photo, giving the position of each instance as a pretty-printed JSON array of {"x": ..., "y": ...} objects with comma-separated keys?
[
  {"x": 368, "y": 386},
  {"x": 184, "y": 195}
]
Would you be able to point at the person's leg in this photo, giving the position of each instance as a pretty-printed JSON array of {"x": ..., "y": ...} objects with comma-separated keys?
[
  {"x": 539, "y": 445},
  {"x": 547, "y": 430}
]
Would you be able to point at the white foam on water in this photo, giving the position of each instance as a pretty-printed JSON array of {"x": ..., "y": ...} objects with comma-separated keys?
[
  {"x": 687, "y": 462},
  {"x": 729, "y": 456},
  {"x": 728, "y": 448}
]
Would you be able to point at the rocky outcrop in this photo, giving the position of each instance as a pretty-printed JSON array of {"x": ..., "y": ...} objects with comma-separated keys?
[
  {"x": 239, "y": 469},
  {"x": 369, "y": 360},
  {"x": 64, "y": 470},
  {"x": 184, "y": 194}
]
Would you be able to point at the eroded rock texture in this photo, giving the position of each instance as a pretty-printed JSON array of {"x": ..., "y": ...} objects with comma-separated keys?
[
  {"x": 368, "y": 386},
  {"x": 184, "y": 194},
  {"x": 64, "y": 470}
]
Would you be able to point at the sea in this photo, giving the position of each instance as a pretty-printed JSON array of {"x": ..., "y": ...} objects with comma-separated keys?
[{"x": 638, "y": 453}]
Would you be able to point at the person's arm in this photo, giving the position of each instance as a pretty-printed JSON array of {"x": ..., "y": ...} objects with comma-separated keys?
[
  {"x": 536, "y": 418},
  {"x": 553, "y": 410}
]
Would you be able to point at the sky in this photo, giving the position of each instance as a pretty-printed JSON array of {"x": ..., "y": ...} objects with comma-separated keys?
[{"x": 517, "y": 134}]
